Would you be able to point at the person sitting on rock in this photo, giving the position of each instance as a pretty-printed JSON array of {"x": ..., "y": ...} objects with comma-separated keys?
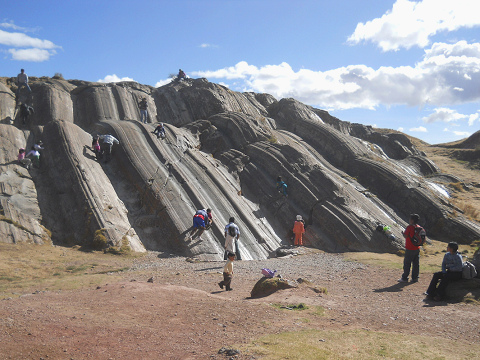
[
  {"x": 96, "y": 148},
  {"x": 108, "y": 141},
  {"x": 22, "y": 160},
  {"x": 35, "y": 154},
  {"x": 159, "y": 131},
  {"x": 452, "y": 266},
  {"x": 298, "y": 230},
  {"x": 281, "y": 186},
  {"x": 181, "y": 75},
  {"x": 143, "y": 105}
]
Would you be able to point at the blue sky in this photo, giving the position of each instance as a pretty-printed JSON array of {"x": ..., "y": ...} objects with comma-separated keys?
[{"x": 412, "y": 66}]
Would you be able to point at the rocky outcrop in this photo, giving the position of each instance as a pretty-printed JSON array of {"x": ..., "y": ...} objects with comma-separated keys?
[{"x": 223, "y": 150}]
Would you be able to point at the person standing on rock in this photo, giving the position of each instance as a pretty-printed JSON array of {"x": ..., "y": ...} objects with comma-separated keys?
[
  {"x": 412, "y": 252},
  {"x": 143, "y": 110},
  {"x": 452, "y": 266},
  {"x": 22, "y": 81},
  {"x": 232, "y": 234},
  {"x": 108, "y": 141},
  {"x": 228, "y": 273},
  {"x": 298, "y": 230}
]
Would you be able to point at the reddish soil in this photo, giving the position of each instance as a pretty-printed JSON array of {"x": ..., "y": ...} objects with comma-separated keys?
[{"x": 193, "y": 319}]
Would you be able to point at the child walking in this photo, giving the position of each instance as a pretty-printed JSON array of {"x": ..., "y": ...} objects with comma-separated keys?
[{"x": 227, "y": 273}]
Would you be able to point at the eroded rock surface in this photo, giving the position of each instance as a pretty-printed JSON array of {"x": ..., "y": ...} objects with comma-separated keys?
[{"x": 223, "y": 150}]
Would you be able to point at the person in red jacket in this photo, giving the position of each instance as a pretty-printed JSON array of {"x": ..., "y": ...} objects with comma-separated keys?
[
  {"x": 298, "y": 230},
  {"x": 412, "y": 252}
]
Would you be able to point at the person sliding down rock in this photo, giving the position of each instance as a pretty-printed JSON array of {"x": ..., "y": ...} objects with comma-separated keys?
[
  {"x": 25, "y": 112},
  {"x": 108, "y": 141},
  {"x": 159, "y": 131},
  {"x": 232, "y": 234}
]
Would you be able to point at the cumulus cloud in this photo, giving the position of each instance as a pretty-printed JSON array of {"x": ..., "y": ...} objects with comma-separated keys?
[
  {"x": 473, "y": 117},
  {"x": 445, "y": 115},
  {"x": 23, "y": 47},
  {"x": 400, "y": 129},
  {"x": 162, "y": 82},
  {"x": 419, "y": 129},
  {"x": 413, "y": 23},
  {"x": 434, "y": 80},
  {"x": 114, "y": 78},
  {"x": 36, "y": 55}
]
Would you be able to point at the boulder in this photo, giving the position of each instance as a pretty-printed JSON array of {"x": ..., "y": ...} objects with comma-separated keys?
[{"x": 267, "y": 286}]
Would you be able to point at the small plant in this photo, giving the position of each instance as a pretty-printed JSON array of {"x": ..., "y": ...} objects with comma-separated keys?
[
  {"x": 457, "y": 186},
  {"x": 99, "y": 240},
  {"x": 58, "y": 76}
]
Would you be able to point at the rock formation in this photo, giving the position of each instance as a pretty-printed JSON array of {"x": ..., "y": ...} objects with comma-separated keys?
[{"x": 223, "y": 150}]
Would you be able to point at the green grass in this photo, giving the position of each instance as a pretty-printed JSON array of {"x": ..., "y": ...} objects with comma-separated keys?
[{"x": 357, "y": 345}]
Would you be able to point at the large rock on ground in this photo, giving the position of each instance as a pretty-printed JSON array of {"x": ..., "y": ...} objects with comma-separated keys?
[{"x": 267, "y": 286}]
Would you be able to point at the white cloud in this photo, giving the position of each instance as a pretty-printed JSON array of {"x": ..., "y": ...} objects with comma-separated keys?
[
  {"x": 419, "y": 129},
  {"x": 162, "y": 82},
  {"x": 114, "y": 78},
  {"x": 413, "y": 23},
  {"x": 37, "y": 55},
  {"x": 400, "y": 129},
  {"x": 462, "y": 133},
  {"x": 472, "y": 118},
  {"x": 435, "y": 80},
  {"x": 17, "y": 39},
  {"x": 205, "y": 45},
  {"x": 445, "y": 115}
]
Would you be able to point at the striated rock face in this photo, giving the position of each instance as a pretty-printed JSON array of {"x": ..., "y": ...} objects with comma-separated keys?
[{"x": 223, "y": 150}]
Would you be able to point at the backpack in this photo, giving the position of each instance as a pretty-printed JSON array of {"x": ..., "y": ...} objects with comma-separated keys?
[
  {"x": 232, "y": 231},
  {"x": 469, "y": 271},
  {"x": 268, "y": 273},
  {"x": 419, "y": 237}
]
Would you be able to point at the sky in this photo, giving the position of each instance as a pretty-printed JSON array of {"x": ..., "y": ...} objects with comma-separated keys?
[{"x": 412, "y": 66}]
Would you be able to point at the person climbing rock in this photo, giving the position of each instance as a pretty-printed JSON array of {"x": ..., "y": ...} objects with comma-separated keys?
[
  {"x": 281, "y": 186},
  {"x": 159, "y": 131},
  {"x": 96, "y": 148},
  {"x": 142, "y": 105},
  {"x": 200, "y": 222},
  {"x": 22, "y": 160},
  {"x": 108, "y": 141},
  {"x": 35, "y": 154},
  {"x": 298, "y": 230},
  {"x": 25, "y": 112},
  {"x": 22, "y": 81}
]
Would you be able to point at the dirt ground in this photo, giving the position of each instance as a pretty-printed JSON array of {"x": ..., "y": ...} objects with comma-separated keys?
[{"x": 183, "y": 314}]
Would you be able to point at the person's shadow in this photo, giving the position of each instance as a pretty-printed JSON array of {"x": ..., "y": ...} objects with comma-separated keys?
[
  {"x": 393, "y": 288},
  {"x": 86, "y": 154}
]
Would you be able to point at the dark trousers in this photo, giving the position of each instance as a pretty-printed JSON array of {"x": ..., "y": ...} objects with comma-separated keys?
[
  {"x": 412, "y": 257},
  {"x": 107, "y": 151},
  {"x": 227, "y": 280},
  {"x": 445, "y": 279}
]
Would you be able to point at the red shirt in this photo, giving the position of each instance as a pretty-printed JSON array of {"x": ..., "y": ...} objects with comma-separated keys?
[{"x": 409, "y": 233}]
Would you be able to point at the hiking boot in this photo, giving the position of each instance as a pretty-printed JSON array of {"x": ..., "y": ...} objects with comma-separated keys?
[
  {"x": 229, "y": 289},
  {"x": 414, "y": 280},
  {"x": 221, "y": 285},
  {"x": 402, "y": 280}
]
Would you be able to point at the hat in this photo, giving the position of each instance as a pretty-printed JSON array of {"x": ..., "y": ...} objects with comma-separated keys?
[{"x": 299, "y": 217}]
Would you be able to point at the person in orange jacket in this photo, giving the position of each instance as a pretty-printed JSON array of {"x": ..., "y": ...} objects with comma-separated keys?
[{"x": 298, "y": 230}]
